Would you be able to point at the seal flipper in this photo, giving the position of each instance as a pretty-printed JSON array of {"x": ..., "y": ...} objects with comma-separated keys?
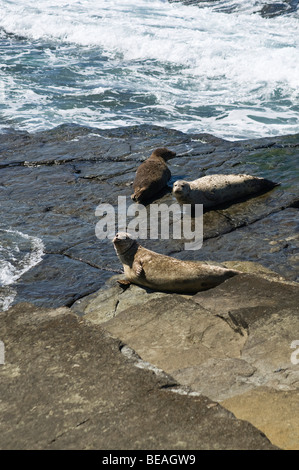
[
  {"x": 124, "y": 283},
  {"x": 137, "y": 268},
  {"x": 138, "y": 194}
]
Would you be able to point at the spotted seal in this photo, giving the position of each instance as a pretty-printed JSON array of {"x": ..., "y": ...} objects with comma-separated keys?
[
  {"x": 164, "y": 273},
  {"x": 213, "y": 190}
]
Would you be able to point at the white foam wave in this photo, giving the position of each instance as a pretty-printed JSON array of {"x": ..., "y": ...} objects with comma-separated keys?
[
  {"x": 19, "y": 252},
  {"x": 152, "y": 29},
  {"x": 182, "y": 56}
]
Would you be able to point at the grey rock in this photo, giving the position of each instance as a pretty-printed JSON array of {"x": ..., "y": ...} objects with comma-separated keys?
[
  {"x": 269, "y": 10},
  {"x": 65, "y": 385},
  {"x": 57, "y": 270},
  {"x": 271, "y": 241},
  {"x": 112, "y": 298},
  {"x": 272, "y": 10},
  {"x": 228, "y": 342}
]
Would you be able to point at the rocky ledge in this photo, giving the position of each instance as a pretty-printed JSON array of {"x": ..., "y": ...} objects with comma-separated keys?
[
  {"x": 67, "y": 384},
  {"x": 90, "y": 363},
  {"x": 232, "y": 343}
]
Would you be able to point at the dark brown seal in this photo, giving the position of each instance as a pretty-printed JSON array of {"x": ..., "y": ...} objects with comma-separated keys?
[{"x": 152, "y": 175}]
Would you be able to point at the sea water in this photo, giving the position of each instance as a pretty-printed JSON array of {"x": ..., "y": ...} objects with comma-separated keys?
[{"x": 219, "y": 67}]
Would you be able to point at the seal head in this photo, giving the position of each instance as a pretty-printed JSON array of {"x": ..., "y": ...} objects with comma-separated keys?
[
  {"x": 123, "y": 242},
  {"x": 163, "y": 153},
  {"x": 181, "y": 190}
]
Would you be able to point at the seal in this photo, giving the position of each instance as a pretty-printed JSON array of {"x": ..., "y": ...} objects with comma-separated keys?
[
  {"x": 152, "y": 175},
  {"x": 163, "y": 273},
  {"x": 213, "y": 190}
]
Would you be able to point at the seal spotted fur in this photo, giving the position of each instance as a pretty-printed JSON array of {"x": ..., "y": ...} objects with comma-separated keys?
[
  {"x": 152, "y": 175},
  {"x": 164, "y": 273},
  {"x": 213, "y": 190}
]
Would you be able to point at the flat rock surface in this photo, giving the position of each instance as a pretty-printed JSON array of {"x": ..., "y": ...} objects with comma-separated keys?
[
  {"x": 65, "y": 384},
  {"x": 231, "y": 343},
  {"x": 273, "y": 411}
]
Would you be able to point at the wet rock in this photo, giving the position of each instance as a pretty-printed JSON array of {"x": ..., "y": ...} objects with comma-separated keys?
[
  {"x": 269, "y": 10},
  {"x": 67, "y": 385},
  {"x": 279, "y": 8},
  {"x": 191, "y": 2},
  {"x": 56, "y": 271},
  {"x": 53, "y": 181},
  {"x": 272, "y": 241}
]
